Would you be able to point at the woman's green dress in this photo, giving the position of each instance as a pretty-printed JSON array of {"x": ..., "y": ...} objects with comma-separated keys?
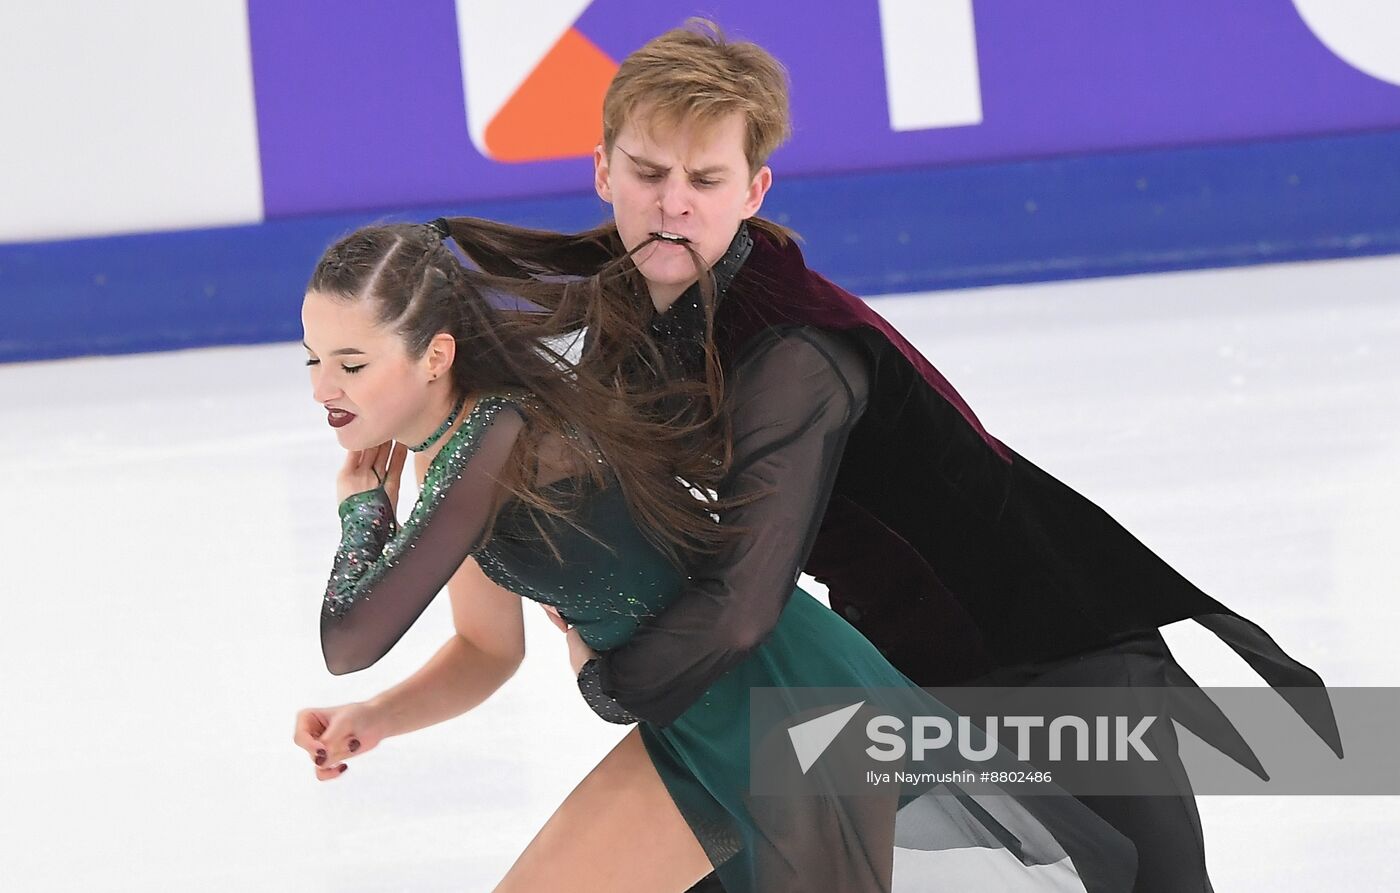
[{"x": 605, "y": 580}]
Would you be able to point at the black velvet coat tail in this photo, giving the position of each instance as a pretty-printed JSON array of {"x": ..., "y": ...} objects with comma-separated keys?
[{"x": 957, "y": 556}]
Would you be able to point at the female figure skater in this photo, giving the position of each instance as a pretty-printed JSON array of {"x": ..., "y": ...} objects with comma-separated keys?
[{"x": 558, "y": 483}]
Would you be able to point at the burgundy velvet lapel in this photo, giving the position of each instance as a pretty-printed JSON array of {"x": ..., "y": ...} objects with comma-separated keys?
[{"x": 774, "y": 287}]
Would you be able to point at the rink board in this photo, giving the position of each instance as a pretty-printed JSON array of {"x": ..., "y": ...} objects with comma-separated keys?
[{"x": 875, "y": 233}]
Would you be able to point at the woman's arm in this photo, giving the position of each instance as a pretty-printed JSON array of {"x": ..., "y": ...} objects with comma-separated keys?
[
  {"x": 383, "y": 579},
  {"x": 488, "y": 616},
  {"x": 485, "y": 652}
]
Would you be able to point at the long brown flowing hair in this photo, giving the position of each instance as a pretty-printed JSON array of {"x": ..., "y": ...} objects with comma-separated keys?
[{"x": 664, "y": 436}]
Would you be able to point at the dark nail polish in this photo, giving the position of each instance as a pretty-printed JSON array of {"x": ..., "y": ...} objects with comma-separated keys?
[
  {"x": 321, "y": 758},
  {"x": 354, "y": 744},
  {"x": 343, "y": 767}
]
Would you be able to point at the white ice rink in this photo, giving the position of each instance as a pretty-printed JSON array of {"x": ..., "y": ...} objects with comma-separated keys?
[{"x": 169, "y": 522}]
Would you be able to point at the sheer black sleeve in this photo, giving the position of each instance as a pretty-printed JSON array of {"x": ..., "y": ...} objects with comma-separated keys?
[
  {"x": 384, "y": 578},
  {"x": 797, "y": 393}
]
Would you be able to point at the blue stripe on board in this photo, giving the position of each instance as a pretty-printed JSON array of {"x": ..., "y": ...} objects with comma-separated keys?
[{"x": 875, "y": 233}]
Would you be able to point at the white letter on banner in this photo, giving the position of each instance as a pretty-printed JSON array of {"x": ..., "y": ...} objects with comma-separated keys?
[
  {"x": 501, "y": 43},
  {"x": 931, "y": 77},
  {"x": 1362, "y": 33}
]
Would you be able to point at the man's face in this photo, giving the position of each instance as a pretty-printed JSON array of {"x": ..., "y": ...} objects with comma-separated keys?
[{"x": 688, "y": 182}]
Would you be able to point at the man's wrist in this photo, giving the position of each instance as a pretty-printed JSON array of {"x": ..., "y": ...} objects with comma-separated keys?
[{"x": 590, "y": 685}]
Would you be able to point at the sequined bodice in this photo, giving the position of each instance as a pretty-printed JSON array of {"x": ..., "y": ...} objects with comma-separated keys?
[
  {"x": 605, "y": 578},
  {"x": 609, "y": 579}
]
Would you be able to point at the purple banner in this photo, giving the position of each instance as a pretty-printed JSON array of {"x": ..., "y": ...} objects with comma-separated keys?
[{"x": 375, "y": 105}]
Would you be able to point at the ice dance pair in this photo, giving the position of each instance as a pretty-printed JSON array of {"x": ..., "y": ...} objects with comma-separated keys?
[{"x": 711, "y": 353}]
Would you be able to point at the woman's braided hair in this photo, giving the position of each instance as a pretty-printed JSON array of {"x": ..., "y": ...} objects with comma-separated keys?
[{"x": 663, "y": 435}]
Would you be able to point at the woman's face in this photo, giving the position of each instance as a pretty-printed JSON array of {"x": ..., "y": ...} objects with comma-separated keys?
[{"x": 372, "y": 389}]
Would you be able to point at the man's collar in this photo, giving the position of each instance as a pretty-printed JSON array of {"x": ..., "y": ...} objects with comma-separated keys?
[
  {"x": 725, "y": 269},
  {"x": 680, "y": 329}
]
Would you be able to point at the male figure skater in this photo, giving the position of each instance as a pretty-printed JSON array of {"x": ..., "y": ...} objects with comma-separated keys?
[{"x": 959, "y": 558}]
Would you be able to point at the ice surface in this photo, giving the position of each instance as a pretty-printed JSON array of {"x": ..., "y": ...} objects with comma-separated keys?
[{"x": 170, "y": 522}]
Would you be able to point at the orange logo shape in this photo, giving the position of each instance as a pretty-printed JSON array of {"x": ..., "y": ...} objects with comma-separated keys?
[{"x": 557, "y": 111}]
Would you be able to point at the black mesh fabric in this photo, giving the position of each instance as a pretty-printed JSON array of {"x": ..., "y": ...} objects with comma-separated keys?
[
  {"x": 803, "y": 392},
  {"x": 383, "y": 595}
]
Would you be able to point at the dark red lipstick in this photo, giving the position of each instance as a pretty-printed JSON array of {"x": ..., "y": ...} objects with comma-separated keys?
[{"x": 339, "y": 418}]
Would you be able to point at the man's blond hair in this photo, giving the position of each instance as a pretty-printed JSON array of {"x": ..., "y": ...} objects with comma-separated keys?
[{"x": 694, "y": 74}]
